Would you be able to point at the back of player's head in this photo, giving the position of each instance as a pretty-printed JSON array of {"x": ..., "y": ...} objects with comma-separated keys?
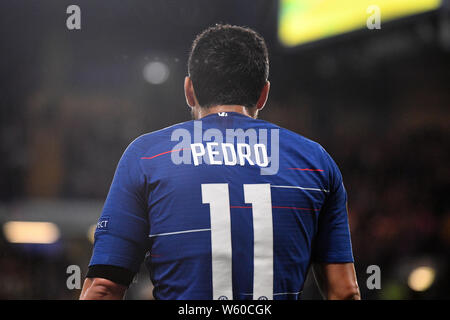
[{"x": 228, "y": 65}]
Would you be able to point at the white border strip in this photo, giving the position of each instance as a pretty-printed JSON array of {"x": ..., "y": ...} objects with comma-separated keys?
[
  {"x": 301, "y": 188},
  {"x": 177, "y": 232},
  {"x": 283, "y": 293}
]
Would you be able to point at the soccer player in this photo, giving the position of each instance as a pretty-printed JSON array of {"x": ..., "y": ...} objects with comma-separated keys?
[{"x": 225, "y": 206}]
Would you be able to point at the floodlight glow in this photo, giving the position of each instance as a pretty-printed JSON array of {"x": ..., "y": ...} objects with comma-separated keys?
[
  {"x": 156, "y": 72},
  {"x": 421, "y": 278},
  {"x": 302, "y": 21},
  {"x": 91, "y": 232},
  {"x": 31, "y": 232}
]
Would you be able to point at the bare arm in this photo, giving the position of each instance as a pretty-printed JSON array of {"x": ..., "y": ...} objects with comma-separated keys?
[
  {"x": 102, "y": 289},
  {"x": 337, "y": 281}
]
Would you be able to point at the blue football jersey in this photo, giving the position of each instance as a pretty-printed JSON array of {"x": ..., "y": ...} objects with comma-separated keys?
[{"x": 225, "y": 207}]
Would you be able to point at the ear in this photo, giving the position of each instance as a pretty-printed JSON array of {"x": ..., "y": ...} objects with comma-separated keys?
[
  {"x": 263, "y": 97},
  {"x": 189, "y": 92}
]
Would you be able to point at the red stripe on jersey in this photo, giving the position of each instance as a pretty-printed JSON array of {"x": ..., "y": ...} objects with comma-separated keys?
[
  {"x": 160, "y": 154},
  {"x": 276, "y": 207},
  {"x": 306, "y": 169}
]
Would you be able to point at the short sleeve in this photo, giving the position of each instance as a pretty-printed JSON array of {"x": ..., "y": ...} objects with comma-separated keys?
[
  {"x": 122, "y": 229},
  {"x": 332, "y": 243}
]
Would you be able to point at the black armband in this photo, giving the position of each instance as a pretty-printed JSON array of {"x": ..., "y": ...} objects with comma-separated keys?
[{"x": 115, "y": 274}]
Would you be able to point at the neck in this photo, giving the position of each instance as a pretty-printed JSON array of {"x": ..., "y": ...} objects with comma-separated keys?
[{"x": 199, "y": 112}]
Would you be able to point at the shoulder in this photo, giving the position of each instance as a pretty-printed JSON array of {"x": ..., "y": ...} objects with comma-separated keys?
[
  {"x": 297, "y": 141},
  {"x": 149, "y": 140}
]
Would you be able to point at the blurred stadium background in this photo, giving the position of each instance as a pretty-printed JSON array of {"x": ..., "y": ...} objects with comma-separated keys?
[{"x": 377, "y": 100}]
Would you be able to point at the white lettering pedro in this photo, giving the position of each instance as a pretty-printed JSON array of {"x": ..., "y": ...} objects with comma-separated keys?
[{"x": 229, "y": 155}]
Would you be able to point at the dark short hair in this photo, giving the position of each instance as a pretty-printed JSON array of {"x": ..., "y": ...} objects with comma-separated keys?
[{"x": 228, "y": 65}]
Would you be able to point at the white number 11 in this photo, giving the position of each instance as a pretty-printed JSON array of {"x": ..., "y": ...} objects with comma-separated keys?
[{"x": 259, "y": 196}]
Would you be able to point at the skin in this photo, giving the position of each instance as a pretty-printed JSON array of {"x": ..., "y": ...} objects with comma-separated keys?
[
  {"x": 102, "y": 289},
  {"x": 198, "y": 112},
  {"x": 335, "y": 281}
]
